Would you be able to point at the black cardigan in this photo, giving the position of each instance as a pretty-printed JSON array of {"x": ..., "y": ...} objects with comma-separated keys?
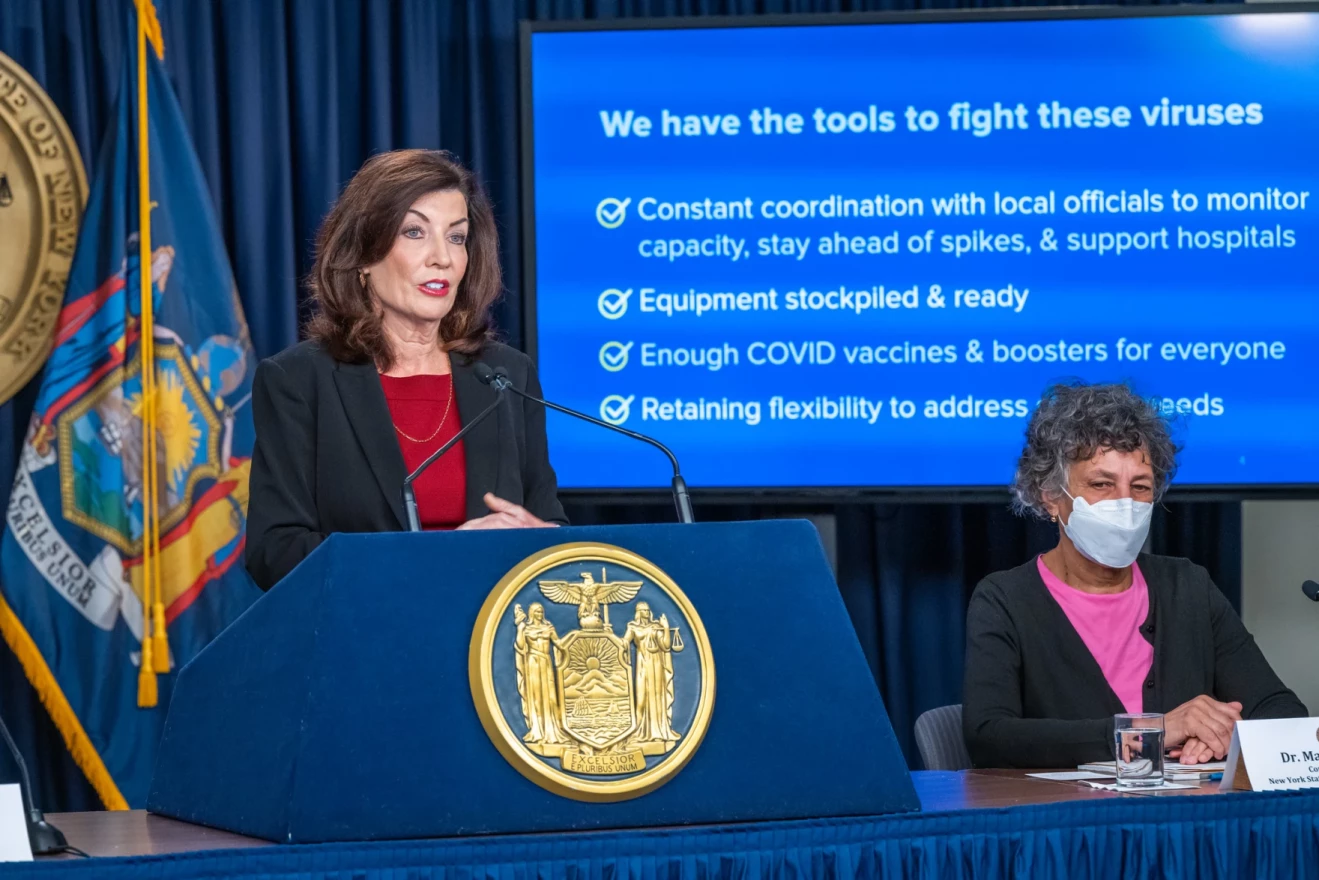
[
  {"x": 327, "y": 459},
  {"x": 1034, "y": 696}
]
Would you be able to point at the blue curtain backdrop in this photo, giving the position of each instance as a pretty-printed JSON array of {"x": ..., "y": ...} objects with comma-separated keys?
[{"x": 286, "y": 98}]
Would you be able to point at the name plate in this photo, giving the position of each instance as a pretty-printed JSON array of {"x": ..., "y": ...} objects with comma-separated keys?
[
  {"x": 1273, "y": 755},
  {"x": 14, "y": 844}
]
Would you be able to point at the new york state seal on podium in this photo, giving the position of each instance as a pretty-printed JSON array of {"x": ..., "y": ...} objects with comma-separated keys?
[{"x": 591, "y": 672}]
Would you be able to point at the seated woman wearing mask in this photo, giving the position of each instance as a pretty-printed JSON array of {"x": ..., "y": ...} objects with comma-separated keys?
[{"x": 1094, "y": 628}]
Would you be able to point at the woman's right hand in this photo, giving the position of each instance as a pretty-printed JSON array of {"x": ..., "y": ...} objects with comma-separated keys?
[
  {"x": 506, "y": 515},
  {"x": 1204, "y": 719}
]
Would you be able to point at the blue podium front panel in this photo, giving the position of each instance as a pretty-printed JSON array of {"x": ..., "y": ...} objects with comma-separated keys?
[{"x": 339, "y": 707}]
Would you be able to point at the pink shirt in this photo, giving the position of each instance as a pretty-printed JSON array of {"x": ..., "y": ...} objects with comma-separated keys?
[{"x": 1109, "y": 624}]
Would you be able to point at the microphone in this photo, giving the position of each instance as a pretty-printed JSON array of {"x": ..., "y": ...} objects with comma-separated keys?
[
  {"x": 487, "y": 376},
  {"x": 43, "y": 836},
  {"x": 681, "y": 499},
  {"x": 1311, "y": 590}
]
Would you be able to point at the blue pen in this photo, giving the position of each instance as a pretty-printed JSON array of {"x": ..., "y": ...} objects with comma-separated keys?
[{"x": 1214, "y": 777}]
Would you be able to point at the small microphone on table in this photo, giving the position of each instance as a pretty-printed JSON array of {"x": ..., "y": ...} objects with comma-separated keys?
[
  {"x": 482, "y": 372},
  {"x": 681, "y": 499},
  {"x": 1311, "y": 590}
]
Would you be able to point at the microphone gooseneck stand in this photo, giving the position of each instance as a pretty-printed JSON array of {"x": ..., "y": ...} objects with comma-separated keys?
[
  {"x": 44, "y": 837},
  {"x": 681, "y": 499}
]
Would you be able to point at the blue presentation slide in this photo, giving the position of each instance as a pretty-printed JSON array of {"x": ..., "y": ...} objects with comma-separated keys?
[{"x": 855, "y": 255}]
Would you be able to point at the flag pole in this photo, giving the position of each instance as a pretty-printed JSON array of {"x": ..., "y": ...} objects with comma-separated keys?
[{"x": 155, "y": 646}]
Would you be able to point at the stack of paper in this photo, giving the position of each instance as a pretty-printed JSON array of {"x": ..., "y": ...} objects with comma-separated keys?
[
  {"x": 1070, "y": 775},
  {"x": 1172, "y": 771},
  {"x": 1166, "y": 785}
]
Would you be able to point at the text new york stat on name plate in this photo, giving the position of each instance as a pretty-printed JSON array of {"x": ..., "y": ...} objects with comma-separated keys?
[{"x": 1273, "y": 755}]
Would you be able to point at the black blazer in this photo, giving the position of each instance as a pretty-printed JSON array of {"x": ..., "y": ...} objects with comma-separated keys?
[
  {"x": 327, "y": 459},
  {"x": 1034, "y": 696}
]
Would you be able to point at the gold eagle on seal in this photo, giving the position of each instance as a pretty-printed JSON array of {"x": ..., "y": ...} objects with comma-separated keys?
[{"x": 588, "y": 595}]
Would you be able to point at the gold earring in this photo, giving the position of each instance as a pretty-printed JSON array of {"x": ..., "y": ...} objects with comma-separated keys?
[
  {"x": 1053, "y": 519},
  {"x": 361, "y": 278}
]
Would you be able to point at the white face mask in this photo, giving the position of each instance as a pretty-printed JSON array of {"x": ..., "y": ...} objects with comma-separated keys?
[{"x": 1110, "y": 532}]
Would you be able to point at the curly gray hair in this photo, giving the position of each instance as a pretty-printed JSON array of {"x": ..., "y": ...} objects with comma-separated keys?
[{"x": 1075, "y": 421}]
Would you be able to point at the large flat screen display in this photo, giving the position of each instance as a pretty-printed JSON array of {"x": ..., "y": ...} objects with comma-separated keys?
[{"x": 853, "y": 253}]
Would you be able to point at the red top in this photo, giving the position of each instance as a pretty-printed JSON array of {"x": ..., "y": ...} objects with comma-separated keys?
[{"x": 416, "y": 405}]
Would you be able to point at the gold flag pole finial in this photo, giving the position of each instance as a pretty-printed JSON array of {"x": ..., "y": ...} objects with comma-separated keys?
[{"x": 149, "y": 24}]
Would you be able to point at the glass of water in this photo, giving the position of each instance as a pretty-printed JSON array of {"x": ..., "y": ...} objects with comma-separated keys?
[{"x": 1138, "y": 747}]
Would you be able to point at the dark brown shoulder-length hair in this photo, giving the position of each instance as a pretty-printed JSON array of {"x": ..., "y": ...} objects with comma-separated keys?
[{"x": 360, "y": 230}]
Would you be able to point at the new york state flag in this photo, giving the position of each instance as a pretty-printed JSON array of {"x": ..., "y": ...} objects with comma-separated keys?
[{"x": 71, "y": 557}]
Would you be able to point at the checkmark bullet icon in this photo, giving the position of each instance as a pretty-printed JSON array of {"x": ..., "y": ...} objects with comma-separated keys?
[
  {"x": 613, "y": 355},
  {"x": 613, "y": 303},
  {"x": 615, "y": 408},
  {"x": 611, "y": 212}
]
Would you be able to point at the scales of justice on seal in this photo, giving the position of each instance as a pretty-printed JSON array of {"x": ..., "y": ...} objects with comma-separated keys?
[{"x": 541, "y": 680}]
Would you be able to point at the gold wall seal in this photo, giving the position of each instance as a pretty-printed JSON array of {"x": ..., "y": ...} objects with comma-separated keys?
[
  {"x": 43, "y": 190},
  {"x": 584, "y": 706}
]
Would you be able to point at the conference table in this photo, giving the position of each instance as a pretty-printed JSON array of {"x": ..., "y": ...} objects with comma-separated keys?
[{"x": 977, "y": 823}]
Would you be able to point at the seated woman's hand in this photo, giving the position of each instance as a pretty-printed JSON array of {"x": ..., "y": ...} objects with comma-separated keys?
[
  {"x": 1205, "y": 720},
  {"x": 505, "y": 515},
  {"x": 1193, "y": 752}
]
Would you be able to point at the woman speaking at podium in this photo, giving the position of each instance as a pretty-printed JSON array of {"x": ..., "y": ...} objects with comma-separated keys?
[
  {"x": 406, "y": 273},
  {"x": 1094, "y": 628}
]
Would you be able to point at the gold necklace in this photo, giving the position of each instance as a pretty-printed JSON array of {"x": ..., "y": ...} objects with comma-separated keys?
[{"x": 443, "y": 419}]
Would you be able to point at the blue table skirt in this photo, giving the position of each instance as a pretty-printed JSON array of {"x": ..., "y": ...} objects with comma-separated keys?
[{"x": 1261, "y": 835}]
